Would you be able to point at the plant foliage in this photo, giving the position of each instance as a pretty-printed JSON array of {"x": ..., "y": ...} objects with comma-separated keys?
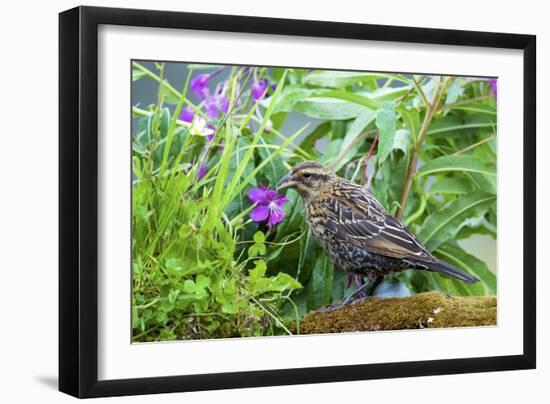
[{"x": 202, "y": 268}]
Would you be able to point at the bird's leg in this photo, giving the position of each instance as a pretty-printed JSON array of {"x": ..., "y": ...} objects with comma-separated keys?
[{"x": 369, "y": 286}]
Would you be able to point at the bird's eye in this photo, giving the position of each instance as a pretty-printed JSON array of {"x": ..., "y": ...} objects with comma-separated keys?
[{"x": 306, "y": 175}]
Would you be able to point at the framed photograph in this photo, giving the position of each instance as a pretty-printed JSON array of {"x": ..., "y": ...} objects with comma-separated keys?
[{"x": 251, "y": 201}]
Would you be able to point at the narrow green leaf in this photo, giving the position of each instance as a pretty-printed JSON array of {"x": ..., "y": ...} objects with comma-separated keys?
[
  {"x": 350, "y": 97},
  {"x": 339, "y": 79},
  {"x": 444, "y": 224},
  {"x": 402, "y": 140},
  {"x": 356, "y": 128},
  {"x": 320, "y": 285},
  {"x": 451, "y": 185},
  {"x": 461, "y": 163},
  {"x": 137, "y": 74},
  {"x": 386, "y": 122},
  {"x": 392, "y": 94},
  {"x": 456, "y": 256},
  {"x": 455, "y": 90},
  {"x": 328, "y": 108},
  {"x": 411, "y": 118},
  {"x": 457, "y": 125}
]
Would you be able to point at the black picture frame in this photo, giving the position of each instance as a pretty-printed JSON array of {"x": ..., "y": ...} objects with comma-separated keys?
[{"x": 78, "y": 201}]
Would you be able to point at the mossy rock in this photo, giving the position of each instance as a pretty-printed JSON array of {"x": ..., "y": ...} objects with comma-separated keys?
[{"x": 424, "y": 310}]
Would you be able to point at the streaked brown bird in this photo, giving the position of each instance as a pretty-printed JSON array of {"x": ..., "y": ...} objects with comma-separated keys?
[{"x": 356, "y": 231}]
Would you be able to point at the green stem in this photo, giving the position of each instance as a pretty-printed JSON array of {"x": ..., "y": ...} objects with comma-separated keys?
[{"x": 413, "y": 162}]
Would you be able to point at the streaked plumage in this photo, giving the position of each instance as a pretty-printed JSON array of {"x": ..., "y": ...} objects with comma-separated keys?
[{"x": 356, "y": 231}]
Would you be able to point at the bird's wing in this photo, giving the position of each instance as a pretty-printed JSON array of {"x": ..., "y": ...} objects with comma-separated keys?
[{"x": 354, "y": 216}]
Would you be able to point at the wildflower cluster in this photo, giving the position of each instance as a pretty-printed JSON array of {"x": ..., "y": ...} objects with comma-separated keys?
[{"x": 212, "y": 106}]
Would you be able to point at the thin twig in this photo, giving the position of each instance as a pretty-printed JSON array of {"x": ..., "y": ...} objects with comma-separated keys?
[
  {"x": 368, "y": 156},
  {"x": 411, "y": 169},
  {"x": 417, "y": 85},
  {"x": 404, "y": 96}
]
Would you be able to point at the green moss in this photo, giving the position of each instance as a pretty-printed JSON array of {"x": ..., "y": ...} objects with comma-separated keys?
[{"x": 424, "y": 310}]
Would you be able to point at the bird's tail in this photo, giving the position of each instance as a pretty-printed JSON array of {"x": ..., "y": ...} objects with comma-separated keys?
[{"x": 451, "y": 271}]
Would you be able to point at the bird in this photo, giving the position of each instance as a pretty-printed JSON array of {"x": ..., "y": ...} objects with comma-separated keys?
[{"x": 355, "y": 230}]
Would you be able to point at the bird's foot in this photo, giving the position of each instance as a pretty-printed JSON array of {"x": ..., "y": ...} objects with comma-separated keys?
[{"x": 349, "y": 300}]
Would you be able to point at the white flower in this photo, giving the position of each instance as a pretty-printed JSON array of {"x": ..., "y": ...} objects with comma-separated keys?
[{"x": 199, "y": 128}]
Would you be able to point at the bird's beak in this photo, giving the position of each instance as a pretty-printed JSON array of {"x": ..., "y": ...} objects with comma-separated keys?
[{"x": 286, "y": 182}]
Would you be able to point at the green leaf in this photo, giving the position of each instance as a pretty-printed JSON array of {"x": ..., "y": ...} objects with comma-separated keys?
[
  {"x": 167, "y": 91},
  {"x": 445, "y": 223},
  {"x": 282, "y": 282},
  {"x": 135, "y": 317},
  {"x": 320, "y": 285},
  {"x": 386, "y": 122},
  {"x": 455, "y": 90},
  {"x": 275, "y": 169},
  {"x": 479, "y": 107},
  {"x": 338, "y": 79},
  {"x": 350, "y": 97},
  {"x": 392, "y": 94},
  {"x": 158, "y": 127},
  {"x": 332, "y": 149},
  {"x": 456, "y": 256},
  {"x": 259, "y": 237},
  {"x": 328, "y": 108},
  {"x": 308, "y": 142},
  {"x": 202, "y": 281},
  {"x": 137, "y": 74},
  {"x": 189, "y": 286},
  {"x": 457, "y": 125},
  {"x": 487, "y": 183},
  {"x": 402, "y": 140},
  {"x": 177, "y": 267},
  {"x": 451, "y": 185},
  {"x": 355, "y": 130},
  {"x": 258, "y": 271},
  {"x": 411, "y": 118},
  {"x": 294, "y": 217},
  {"x": 288, "y": 98},
  {"x": 309, "y": 251},
  {"x": 459, "y": 163}
]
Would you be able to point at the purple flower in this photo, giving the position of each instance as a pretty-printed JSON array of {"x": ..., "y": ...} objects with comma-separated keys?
[
  {"x": 202, "y": 171},
  {"x": 199, "y": 85},
  {"x": 215, "y": 105},
  {"x": 267, "y": 205},
  {"x": 211, "y": 136},
  {"x": 259, "y": 89},
  {"x": 187, "y": 114},
  {"x": 493, "y": 83}
]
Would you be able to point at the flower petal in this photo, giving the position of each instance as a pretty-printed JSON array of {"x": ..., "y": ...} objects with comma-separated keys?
[
  {"x": 199, "y": 85},
  {"x": 187, "y": 114},
  {"x": 258, "y": 195},
  {"x": 258, "y": 89},
  {"x": 259, "y": 213},
  {"x": 275, "y": 216},
  {"x": 211, "y": 108},
  {"x": 280, "y": 200},
  {"x": 271, "y": 195},
  {"x": 223, "y": 104},
  {"x": 202, "y": 172},
  {"x": 494, "y": 86}
]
